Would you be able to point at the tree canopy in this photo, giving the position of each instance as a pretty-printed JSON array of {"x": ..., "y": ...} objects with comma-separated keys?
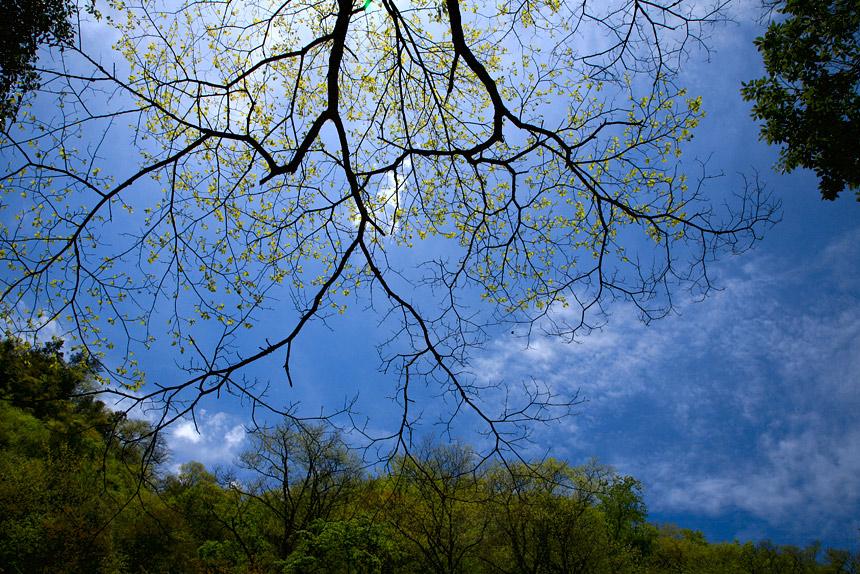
[
  {"x": 810, "y": 97},
  {"x": 27, "y": 25},
  {"x": 455, "y": 166},
  {"x": 73, "y": 499}
]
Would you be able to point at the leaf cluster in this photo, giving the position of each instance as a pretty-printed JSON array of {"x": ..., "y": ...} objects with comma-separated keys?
[
  {"x": 27, "y": 25},
  {"x": 68, "y": 464},
  {"x": 810, "y": 97}
]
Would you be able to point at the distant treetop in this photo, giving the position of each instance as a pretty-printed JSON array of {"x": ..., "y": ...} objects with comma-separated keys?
[
  {"x": 27, "y": 25},
  {"x": 809, "y": 98}
]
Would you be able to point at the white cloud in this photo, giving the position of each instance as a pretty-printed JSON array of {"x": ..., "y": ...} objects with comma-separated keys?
[
  {"x": 185, "y": 431},
  {"x": 805, "y": 484},
  {"x": 744, "y": 404},
  {"x": 235, "y": 436},
  {"x": 217, "y": 439}
]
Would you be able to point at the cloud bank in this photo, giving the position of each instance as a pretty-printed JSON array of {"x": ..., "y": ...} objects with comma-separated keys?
[{"x": 743, "y": 408}]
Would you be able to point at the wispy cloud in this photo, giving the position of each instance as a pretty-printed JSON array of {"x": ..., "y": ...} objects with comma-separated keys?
[{"x": 747, "y": 403}]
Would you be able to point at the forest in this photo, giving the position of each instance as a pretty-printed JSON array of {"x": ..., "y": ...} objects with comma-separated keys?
[{"x": 84, "y": 488}]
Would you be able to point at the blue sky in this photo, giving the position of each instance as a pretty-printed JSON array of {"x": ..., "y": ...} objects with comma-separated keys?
[{"x": 738, "y": 413}]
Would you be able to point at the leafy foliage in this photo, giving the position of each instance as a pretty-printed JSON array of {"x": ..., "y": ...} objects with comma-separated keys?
[
  {"x": 357, "y": 546},
  {"x": 810, "y": 97},
  {"x": 64, "y": 473},
  {"x": 71, "y": 501},
  {"x": 302, "y": 475},
  {"x": 27, "y": 24}
]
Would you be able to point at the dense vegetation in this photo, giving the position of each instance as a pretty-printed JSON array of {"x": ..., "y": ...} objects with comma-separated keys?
[
  {"x": 27, "y": 25},
  {"x": 84, "y": 489},
  {"x": 809, "y": 99}
]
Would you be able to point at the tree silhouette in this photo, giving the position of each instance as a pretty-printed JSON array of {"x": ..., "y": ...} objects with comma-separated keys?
[
  {"x": 454, "y": 166},
  {"x": 28, "y": 25},
  {"x": 810, "y": 98}
]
